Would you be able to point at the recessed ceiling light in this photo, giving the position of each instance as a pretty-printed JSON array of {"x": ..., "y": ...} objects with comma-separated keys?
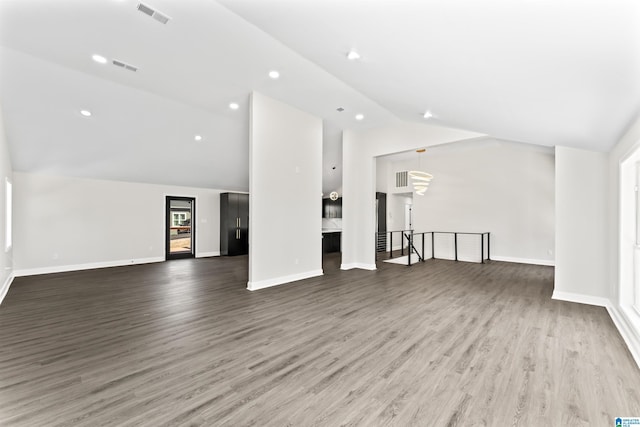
[
  {"x": 99, "y": 59},
  {"x": 274, "y": 74},
  {"x": 359, "y": 116},
  {"x": 198, "y": 138},
  {"x": 428, "y": 115},
  {"x": 353, "y": 55},
  {"x": 234, "y": 106},
  {"x": 85, "y": 113}
]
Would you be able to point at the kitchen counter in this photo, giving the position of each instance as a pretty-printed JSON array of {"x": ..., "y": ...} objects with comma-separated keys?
[{"x": 331, "y": 230}]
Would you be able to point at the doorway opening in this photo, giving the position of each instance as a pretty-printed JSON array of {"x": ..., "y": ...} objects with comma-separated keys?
[{"x": 180, "y": 229}]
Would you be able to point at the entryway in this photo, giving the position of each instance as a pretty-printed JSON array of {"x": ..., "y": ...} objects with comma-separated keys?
[{"x": 180, "y": 229}]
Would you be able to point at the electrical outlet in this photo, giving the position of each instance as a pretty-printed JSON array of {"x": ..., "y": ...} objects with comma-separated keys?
[{"x": 297, "y": 261}]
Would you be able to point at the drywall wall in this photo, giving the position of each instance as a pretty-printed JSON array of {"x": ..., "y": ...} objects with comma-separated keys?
[
  {"x": 396, "y": 211},
  {"x": 360, "y": 147},
  {"x": 64, "y": 223},
  {"x": 285, "y": 187},
  {"x": 488, "y": 185},
  {"x": 582, "y": 256},
  {"x": 6, "y": 259}
]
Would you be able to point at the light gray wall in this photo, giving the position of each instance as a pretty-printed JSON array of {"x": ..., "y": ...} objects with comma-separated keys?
[
  {"x": 501, "y": 187},
  {"x": 285, "y": 187},
  {"x": 64, "y": 223},
  {"x": 582, "y": 256},
  {"x": 6, "y": 260},
  {"x": 359, "y": 179}
]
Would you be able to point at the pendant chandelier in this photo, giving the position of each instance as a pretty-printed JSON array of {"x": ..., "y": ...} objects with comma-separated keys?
[{"x": 420, "y": 179}]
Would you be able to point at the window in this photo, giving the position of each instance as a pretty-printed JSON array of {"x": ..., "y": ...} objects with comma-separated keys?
[
  {"x": 637, "y": 204},
  {"x": 178, "y": 218},
  {"x": 636, "y": 255},
  {"x": 628, "y": 296},
  {"x": 8, "y": 219}
]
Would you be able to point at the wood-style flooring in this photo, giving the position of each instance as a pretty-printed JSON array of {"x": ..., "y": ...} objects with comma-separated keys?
[{"x": 184, "y": 343}]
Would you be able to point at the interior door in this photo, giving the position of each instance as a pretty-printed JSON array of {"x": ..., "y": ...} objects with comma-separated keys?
[{"x": 180, "y": 229}]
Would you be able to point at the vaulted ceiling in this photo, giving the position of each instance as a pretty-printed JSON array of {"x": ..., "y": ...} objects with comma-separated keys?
[{"x": 559, "y": 72}]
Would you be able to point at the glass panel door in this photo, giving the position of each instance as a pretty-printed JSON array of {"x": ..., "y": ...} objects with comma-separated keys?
[{"x": 180, "y": 230}]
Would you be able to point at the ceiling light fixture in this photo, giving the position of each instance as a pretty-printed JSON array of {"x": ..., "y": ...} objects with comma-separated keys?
[
  {"x": 274, "y": 74},
  {"x": 420, "y": 179},
  {"x": 353, "y": 55},
  {"x": 234, "y": 105},
  {"x": 99, "y": 59},
  {"x": 359, "y": 116},
  {"x": 198, "y": 138},
  {"x": 85, "y": 113},
  {"x": 428, "y": 114}
]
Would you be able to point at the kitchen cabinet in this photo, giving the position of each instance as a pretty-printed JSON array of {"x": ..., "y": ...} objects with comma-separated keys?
[
  {"x": 331, "y": 242},
  {"x": 332, "y": 208},
  {"x": 234, "y": 224}
]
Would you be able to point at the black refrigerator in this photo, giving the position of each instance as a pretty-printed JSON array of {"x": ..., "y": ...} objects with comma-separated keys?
[{"x": 234, "y": 224}]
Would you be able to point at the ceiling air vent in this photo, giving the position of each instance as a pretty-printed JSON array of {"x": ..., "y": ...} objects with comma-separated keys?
[
  {"x": 124, "y": 65},
  {"x": 158, "y": 16},
  {"x": 402, "y": 179}
]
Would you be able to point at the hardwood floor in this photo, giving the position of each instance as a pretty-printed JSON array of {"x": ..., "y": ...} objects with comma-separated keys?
[{"x": 184, "y": 343}]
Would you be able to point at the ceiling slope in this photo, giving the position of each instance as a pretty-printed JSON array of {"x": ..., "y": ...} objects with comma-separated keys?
[
  {"x": 543, "y": 72},
  {"x": 144, "y": 123},
  {"x": 561, "y": 72}
]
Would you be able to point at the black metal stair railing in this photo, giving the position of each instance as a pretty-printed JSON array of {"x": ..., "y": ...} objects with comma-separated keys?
[{"x": 408, "y": 242}]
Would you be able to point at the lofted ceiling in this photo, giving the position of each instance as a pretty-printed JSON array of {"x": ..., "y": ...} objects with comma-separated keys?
[{"x": 561, "y": 72}]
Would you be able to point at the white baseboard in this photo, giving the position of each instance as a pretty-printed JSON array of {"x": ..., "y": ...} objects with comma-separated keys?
[
  {"x": 357, "y": 265},
  {"x": 550, "y": 263},
  {"x": 88, "y": 266},
  {"x": 630, "y": 335},
  {"x": 580, "y": 298},
  {"x": 5, "y": 287},
  {"x": 254, "y": 286},
  {"x": 207, "y": 254}
]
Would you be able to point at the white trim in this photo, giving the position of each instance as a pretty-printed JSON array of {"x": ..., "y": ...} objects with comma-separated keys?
[
  {"x": 550, "y": 263},
  {"x": 5, "y": 287},
  {"x": 581, "y": 298},
  {"x": 254, "y": 286},
  {"x": 629, "y": 334},
  {"x": 358, "y": 265},
  {"x": 207, "y": 254},
  {"x": 88, "y": 266}
]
